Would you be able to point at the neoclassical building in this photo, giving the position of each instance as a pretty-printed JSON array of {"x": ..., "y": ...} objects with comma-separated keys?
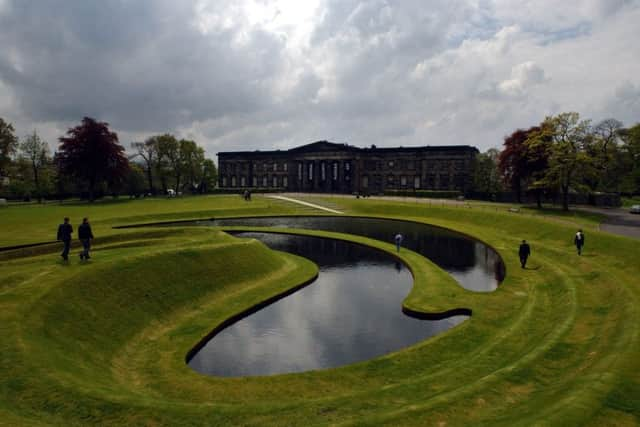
[{"x": 329, "y": 167}]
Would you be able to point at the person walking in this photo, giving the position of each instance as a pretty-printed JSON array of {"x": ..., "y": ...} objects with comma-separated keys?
[
  {"x": 85, "y": 235},
  {"x": 398, "y": 240},
  {"x": 579, "y": 241},
  {"x": 524, "y": 252},
  {"x": 64, "y": 234}
]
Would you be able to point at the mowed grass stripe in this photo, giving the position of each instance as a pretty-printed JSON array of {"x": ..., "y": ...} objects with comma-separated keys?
[{"x": 558, "y": 345}]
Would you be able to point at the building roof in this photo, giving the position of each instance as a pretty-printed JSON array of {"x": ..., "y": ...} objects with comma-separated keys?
[{"x": 320, "y": 146}]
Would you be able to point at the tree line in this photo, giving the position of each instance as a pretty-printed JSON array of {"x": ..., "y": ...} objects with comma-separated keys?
[
  {"x": 562, "y": 155},
  {"x": 91, "y": 162}
]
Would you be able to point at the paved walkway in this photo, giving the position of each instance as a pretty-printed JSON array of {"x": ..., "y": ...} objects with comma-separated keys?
[
  {"x": 300, "y": 202},
  {"x": 618, "y": 221}
]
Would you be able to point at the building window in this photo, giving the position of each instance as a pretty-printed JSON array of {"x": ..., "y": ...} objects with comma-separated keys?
[
  {"x": 243, "y": 181},
  {"x": 255, "y": 181},
  {"x": 233, "y": 181},
  {"x": 265, "y": 166},
  {"x": 224, "y": 181},
  {"x": 300, "y": 171},
  {"x": 275, "y": 181},
  {"x": 403, "y": 181},
  {"x": 416, "y": 182},
  {"x": 323, "y": 171},
  {"x": 411, "y": 164},
  {"x": 335, "y": 171},
  {"x": 310, "y": 171},
  {"x": 285, "y": 181},
  {"x": 390, "y": 164},
  {"x": 390, "y": 179},
  {"x": 285, "y": 167},
  {"x": 365, "y": 181},
  {"x": 264, "y": 181},
  {"x": 275, "y": 167},
  {"x": 347, "y": 166}
]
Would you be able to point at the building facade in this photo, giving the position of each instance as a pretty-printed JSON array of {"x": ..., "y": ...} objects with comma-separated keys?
[{"x": 329, "y": 167}]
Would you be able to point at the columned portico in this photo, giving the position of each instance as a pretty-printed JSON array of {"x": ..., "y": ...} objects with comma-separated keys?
[{"x": 340, "y": 168}]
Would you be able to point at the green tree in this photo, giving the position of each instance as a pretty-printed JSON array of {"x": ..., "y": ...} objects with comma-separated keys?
[
  {"x": 8, "y": 145},
  {"x": 630, "y": 152},
  {"x": 606, "y": 157},
  {"x": 209, "y": 176},
  {"x": 20, "y": 182},
  {"x": 168, "y": 149},
  {"x": 191, "y": 160},
  {"x": 566, "y": 141},
  {"x": 148, "y": 151},
  {"x": 36, "y": 152},
  {"x": 486, "y": 178},
  {"x": 134, "y": 180}
]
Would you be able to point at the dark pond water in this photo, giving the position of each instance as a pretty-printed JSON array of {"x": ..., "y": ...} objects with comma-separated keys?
[
  {"x": 476, "y": 266},
  {"x": 351, "y": 312}
]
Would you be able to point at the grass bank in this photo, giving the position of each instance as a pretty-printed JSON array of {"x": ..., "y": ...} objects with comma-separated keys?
[
  {"x": 38, "y": 223},
  {"x": 104, "y": 342}
]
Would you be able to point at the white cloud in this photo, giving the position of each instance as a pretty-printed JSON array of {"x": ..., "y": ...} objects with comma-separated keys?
[
  {"x": 523, "y": 77},
  {"x": 256, "y": 74}
]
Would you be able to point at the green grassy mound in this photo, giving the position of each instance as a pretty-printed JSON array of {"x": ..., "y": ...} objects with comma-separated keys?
[
  {"x": 104, "y": 342},
  {"x": 70, "y": 330}
]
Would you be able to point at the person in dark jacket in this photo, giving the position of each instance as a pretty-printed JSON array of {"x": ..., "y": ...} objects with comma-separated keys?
[
  {"x": 85, "y": 235},
  {"x": 524, "y": 253},
  {"x": 64, "y": 234},
  {"x": 579, "y": 241},
  {"x": 398, "y": 238}
]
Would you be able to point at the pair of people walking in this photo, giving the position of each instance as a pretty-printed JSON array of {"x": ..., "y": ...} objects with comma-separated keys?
[
  {"x": 65, "y": 231},
  {"x": 525, "y": 249}
]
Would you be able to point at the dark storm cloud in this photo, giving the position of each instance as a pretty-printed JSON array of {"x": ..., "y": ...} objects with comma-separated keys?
[{"x": 141, "y": 64}]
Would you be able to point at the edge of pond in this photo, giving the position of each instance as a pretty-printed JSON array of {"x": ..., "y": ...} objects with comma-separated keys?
[
  {"x": 245, "y": 313},
  {"x": 418, "y": 266},
  {"x": 387, "y": 217}
]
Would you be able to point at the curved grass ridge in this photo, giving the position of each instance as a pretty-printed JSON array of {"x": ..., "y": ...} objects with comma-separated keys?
[
  {"x": 558, "y": 345},
  {"x": 434, "y": 294}
]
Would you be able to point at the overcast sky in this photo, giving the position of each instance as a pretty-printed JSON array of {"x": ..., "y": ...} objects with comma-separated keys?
[{"x": 262, "y": 74}]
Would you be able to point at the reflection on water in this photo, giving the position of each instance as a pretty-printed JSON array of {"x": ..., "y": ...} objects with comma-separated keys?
[
  {"x": 352, "y": 312},
  {"x": 473, "y": 264}
]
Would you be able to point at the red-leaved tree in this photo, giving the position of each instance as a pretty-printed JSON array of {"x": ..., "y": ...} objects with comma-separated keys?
[
  {"x": 92, "y": 154},
  {"x": 519, "y": 162}
]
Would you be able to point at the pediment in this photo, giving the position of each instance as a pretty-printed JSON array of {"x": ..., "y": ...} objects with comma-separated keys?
[{"x": 322, "y": 146}]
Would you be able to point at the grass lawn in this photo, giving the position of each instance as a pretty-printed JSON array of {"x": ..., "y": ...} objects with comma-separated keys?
[
  {"x": 37, "y": 223},
  {"x": 104, "y": 342}
]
